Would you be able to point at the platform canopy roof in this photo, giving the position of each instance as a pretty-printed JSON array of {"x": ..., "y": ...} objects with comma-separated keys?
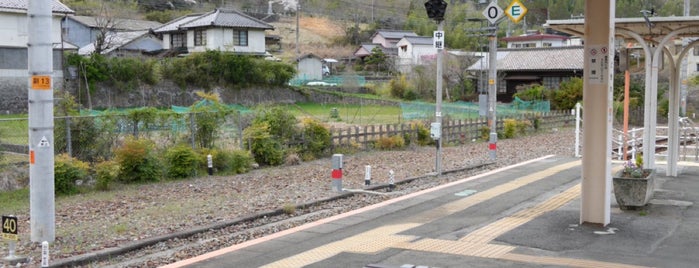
[{"x": 659, "y": 26}]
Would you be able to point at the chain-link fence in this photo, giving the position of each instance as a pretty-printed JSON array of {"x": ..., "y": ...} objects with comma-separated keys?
[
  {"x": 94, "y": 137},
  {"x": 468, "y": 110}
]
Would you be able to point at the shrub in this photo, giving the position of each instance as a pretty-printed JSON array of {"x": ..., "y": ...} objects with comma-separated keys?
[
  {"x": 510, "y": 126},
  {"x": 399, "y": 86},
  {"x": 423, "y": 134},
  {"x": 292, "y": 159},
  {"x": 484, "y": 133},
  {"x": 105, "y": 173},
  {"x": 182, "y": 162},
  {"x": 282, "y": 123},
  {"x": 317, "y": 138},
  {"x": 209, "y": 115},
  {"x": 67, "y": 170},
  {"x": 137, "y": 161},
  {"x": 222, "y": 160},
  {"x": 522, "y": 126},
  {"x": 388, "y": 143},
  {"x": 241, "y": 161},
  {"x": 266, "y": 149}
]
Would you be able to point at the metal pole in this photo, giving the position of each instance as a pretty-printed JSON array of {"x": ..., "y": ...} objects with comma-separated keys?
[
  {"x": 41, "y": 160},
  {"x": 298, "y": 11},
  {"x": 438, "y": 108},
  {"x": 492, "y": 91}
]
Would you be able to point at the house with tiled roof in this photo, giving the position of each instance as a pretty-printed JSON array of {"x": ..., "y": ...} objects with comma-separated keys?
[
  {"x": 546, "y": 66},
  {"x": 13, "y": 51},
  {"x": 126, "y": 43},
  {"x": 83, "y": 30},
  {"x": 365, "y": 50},
  {"x": 222, "y": 29},
  {"x": 535, "y": 40},
  {"x": 389, "y": 38}
]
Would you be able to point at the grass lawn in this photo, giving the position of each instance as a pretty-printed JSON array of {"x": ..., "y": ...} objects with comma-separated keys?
[
  {"x": 348, "y": 113},
  {"x": 14, "y": 131}
]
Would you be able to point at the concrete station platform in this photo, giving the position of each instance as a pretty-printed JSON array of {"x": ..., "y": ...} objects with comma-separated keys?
[{"x": 524, "y": 215}]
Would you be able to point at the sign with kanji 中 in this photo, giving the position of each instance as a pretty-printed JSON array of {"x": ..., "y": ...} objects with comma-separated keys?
[{"x": 438, "y": 39}]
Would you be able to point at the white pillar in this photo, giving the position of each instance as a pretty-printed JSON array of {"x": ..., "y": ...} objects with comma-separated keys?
[{"x": 597, "y": 105}]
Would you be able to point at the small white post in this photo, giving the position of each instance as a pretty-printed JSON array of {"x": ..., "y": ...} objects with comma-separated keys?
[
  {"x": 367, "y": 175},
  {"x": 44, "y": 254},
  {"x": 578, "y": 122},
  {"x": 391, "y": 180},
  {"x": 210, "y": 164},
  {"x": 633, "y": 144},
  {"x": 620, "y": 150}
]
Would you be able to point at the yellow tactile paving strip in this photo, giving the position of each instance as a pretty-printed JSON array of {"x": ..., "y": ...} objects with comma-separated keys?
[
  {"x": 459, "y": 205},
  {"x": 563, "y": 261},
  {"x": 371, "y": 241},
  {"x": 502, "y": 226},
  {"x": 475, "y": 244}
]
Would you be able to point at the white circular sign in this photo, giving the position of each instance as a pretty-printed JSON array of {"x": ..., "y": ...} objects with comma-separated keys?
[{"x": 493, "y": 12}]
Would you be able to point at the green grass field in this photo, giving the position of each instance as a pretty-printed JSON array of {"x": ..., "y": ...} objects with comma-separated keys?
[
  {"x": 348, "y": 113},
  {"x": 14, "y": 131}
]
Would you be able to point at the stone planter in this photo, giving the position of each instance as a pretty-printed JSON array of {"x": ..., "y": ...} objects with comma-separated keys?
[{"x": 632, "y": 193}]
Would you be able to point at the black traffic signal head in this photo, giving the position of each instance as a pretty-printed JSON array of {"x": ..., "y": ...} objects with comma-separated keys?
[{"x": 436, "y": 9}]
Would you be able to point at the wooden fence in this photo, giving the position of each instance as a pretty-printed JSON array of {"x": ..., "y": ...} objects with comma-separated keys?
[{"x": 453, "y": 131}]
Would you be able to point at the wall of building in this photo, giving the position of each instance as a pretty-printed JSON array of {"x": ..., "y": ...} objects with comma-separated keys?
[{"x": 14, "y": 78}]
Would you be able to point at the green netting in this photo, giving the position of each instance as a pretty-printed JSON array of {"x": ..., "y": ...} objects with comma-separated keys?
[
  {"x": 337, "y": 80},
  {"x": 536, "y": 106},
  {"x": 462, "y": 110}
]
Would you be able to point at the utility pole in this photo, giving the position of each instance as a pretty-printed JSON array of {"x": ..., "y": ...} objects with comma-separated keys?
[
  {"x": 40, "y": 95},
  {"x": 492, "y": 91},
  {"x": 435, "y": 10},
  {"x": 298, "y": 12}
]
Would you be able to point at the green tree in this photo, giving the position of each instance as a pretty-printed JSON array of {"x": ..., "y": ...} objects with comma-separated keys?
[{"x": 377, "y": 58}]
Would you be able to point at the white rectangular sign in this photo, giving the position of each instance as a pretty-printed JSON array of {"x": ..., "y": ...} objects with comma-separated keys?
[
  {"x": 598, "y": 71},
  {"x": 438, "y": 39}
]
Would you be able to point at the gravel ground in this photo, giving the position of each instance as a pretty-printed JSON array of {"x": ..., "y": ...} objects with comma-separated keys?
[{"x": 97, "y": 221}]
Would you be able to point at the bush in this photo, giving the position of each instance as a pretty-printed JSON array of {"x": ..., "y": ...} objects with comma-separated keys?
[
  {"x": 484, "y": 133},
  {"x": 241, "y": 161},
  {"x": 137, "y": 161},
  {"x": 510, "y": 128},
  {"x": 389, "y": 143},
  {"x": 423, "y": 134},
  {"x": 282, "y": 124},
  {"x": 222, "y": 160},
  {"x": 317, "y": 139},
  {"x": 105, "y": 173},
  {"x": 182, "y": 162},
  {"x": 67, "y": 170},
  {"x": 399, "y": 86},
  {"x": 266, "y": 149}
]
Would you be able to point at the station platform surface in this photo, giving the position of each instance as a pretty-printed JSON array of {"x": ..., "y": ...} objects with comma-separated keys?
[{"x": 525, "y": 215}]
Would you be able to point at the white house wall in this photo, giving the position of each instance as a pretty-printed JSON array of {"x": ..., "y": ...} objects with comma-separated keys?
[
  {"x": 166, "y": 41},
  {"x": 13, "y": 29},
  {"x": 222, "y": 39}
]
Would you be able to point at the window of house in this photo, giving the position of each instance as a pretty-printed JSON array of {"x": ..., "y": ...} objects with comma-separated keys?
[
  {"x": 551, "y": 82},
  {"x": 696, "y": 50},
  {"x": 200, "y": 37},
  {"x": 178, "y": 40},
  {"x": 697, "y": 67},
  {"x": 529, "y": 45},
  {"x": 240, "y": 38},
  {"x": 502, "y": 86},
  {"x": 404, "y": 48},
  {"x": 548, "y": 44}
]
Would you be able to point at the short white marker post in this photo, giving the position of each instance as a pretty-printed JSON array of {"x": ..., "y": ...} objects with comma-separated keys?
[
  {"x": 391, "y": 180},
  {"x": 45, "y": 254},
  {"x": 367, "y": 175},
  {"x": 210, "y": 164}
]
